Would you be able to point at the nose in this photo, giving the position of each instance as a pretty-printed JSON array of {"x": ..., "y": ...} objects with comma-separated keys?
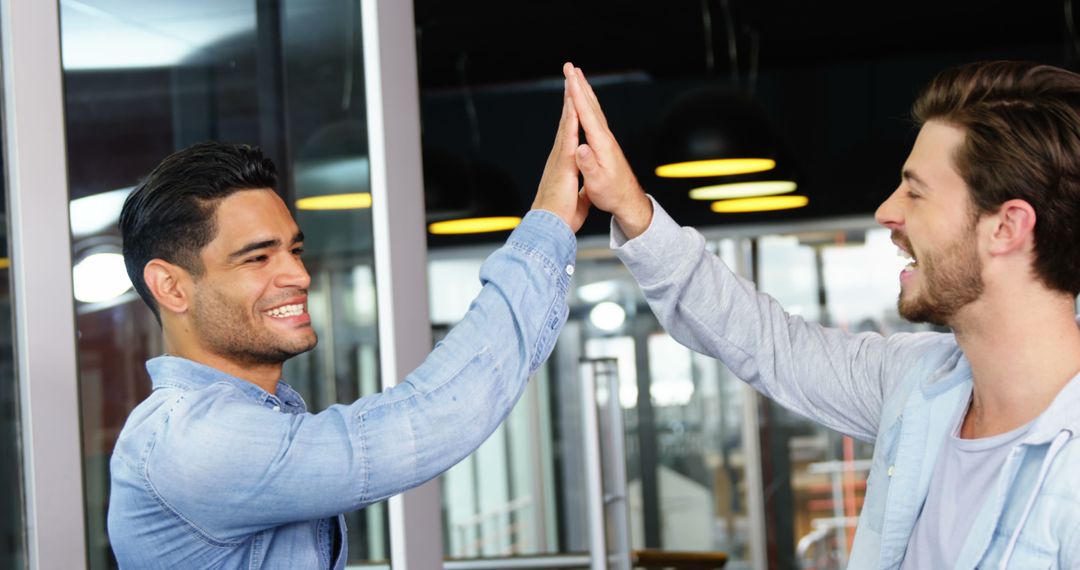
[
  {"x": 293, "y": 274},
  {"x": 889, "y": 213}
]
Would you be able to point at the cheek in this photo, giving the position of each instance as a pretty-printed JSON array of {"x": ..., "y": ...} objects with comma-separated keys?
[{"x": 238, "y": 295}]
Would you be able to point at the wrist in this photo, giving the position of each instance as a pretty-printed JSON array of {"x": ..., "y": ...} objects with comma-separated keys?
[{"x": 636, "y": 216}]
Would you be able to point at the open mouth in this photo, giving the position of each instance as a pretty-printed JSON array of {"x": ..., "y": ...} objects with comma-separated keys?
[
  {"x": 285, "y": 311},
  {"x": 910, "y": 258}
]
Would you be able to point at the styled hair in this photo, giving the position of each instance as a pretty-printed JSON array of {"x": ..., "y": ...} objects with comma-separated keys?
[
  {"x": 170, "y": 215},
  {"x": 1022, "y": 141}
]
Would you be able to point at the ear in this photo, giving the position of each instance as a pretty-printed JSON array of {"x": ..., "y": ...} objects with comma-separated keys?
[
  {"x": 1013, "y": 228},
  {"x": 167, "y": 282}
]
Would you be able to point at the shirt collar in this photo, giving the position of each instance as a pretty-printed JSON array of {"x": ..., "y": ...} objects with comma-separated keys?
[
  {"x": 1059, "y": 416},
  {"x": 173, "y": 371}
]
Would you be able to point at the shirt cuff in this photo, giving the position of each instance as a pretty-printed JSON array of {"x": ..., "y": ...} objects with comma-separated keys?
[
  {"x": 649, "y": 256},
  {"x": 545, "y": 235}
]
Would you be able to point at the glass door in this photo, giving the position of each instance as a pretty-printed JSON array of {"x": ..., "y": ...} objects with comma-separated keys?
[
  {"x": 144, "y": 79},
  {"x": 12, "y": 525}
]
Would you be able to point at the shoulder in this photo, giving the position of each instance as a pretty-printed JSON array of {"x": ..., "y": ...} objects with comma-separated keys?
[
  {"x": 934, "y": 348},
  {"x": 203, "y": 430},
  {"x": 922, "y": 357}
]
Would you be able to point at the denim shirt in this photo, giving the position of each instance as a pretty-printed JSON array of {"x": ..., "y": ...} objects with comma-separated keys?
[
  {"x": 899, "y": 391},
  {"x": 211, "y": 471}
]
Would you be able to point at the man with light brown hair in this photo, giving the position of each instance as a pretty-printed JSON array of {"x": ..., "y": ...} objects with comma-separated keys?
[{"x": 974, "y": 464}]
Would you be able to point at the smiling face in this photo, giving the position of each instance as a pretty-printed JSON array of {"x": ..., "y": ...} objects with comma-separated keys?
[
  {"x": 932, "y": 222},
  {"x": 249, "y": 306}
]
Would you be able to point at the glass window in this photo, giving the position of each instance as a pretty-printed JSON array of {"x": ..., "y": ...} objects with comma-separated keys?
[
  {"x": 144, "y": 79},
  {"x": 12, "y": 528},
  {"x": 524, "y": 492},
  {"x": 685, "y": 456},
  {"x": 499, "y": 501},
  {"x": 842, "y": 279}
]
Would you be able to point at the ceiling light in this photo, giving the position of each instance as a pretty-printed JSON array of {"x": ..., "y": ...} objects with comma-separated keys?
[
  {"x": 743, "y": 189},
  {"x": 100, "y": 277},
  {"x": 715, "y": 167},
  {"x": 760, "y": 204},
  {"x": 474, "y": 225},
  {"x": 121, "y": 35},
  {"x": 607, "y": 316},
  {"x": 715, "y": 132},
  {"x": 348, "y": 201},
  {"x": 94, "y": 213},
  {"x": 484, "y": 200},
  {"x": 596, "y": 292}
]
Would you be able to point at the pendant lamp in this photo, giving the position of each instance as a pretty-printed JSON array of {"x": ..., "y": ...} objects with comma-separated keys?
[
  {"x": 723, "y": 139},
  {"x": 714, "y": 131}
]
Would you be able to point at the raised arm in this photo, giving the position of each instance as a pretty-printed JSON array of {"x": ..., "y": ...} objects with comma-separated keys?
[
  {"x": 308, "y": 466},
  {"x": 835, "y": 378}
]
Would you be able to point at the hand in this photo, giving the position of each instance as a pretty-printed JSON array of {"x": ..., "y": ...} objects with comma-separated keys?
[
  {"x": 609, "y": 180},
  {"x": 558, "y": 191}
]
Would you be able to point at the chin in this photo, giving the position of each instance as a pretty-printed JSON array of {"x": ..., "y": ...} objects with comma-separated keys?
[{"x": 306, "y": 344}]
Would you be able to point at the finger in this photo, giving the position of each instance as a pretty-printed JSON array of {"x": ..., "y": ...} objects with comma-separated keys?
[
  {"x": 593, "y": 99},
  {"x": 570, "y": 141},
  {"x": 586, "y": 160},
  {"x": 583, "y": 202},
  {"x": 561, "y": 134},
  {"x": 595, "y": 129}
]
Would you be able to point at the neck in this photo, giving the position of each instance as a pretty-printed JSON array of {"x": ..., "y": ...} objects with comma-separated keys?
[
  {"x": 1023, "y": 350},
  {"x": 265, "y": 376}
]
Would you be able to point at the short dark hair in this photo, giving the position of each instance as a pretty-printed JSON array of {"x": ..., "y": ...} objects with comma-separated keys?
[
  {"x": 1021, "y": 123},
  {"x": 170, "y": 215}
]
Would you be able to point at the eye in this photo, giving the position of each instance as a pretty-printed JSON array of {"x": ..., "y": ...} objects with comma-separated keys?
[
  {"x": 298, "y": 250},
  {"x": 256, "y": 259},
  {"x": 913, "y": 195}
]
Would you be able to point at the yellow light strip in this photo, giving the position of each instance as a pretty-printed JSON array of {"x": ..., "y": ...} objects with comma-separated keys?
[
  {"x": 743, "y": 190},
  {"x": 760, "y": 204},
  {"x": 353, "y": 201},
  {"x": 474, "y": 225},
  {"x": 715, "y": 167},
  {"x": 5, "y": 262}
]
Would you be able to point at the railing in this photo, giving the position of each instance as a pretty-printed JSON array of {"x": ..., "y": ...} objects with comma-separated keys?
[
  {"x": 826, "y": 546},
  {"x": 496, "y": 531}
]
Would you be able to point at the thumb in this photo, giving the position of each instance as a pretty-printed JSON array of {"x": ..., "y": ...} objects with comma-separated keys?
[
  {"x": 586, "y": 160},
  {"x": 583, "y": 201}
]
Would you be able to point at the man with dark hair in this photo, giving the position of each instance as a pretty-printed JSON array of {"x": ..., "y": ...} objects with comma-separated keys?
[
  {"x": 221, "y": 466},
  {"x": 974, "y": 464}
]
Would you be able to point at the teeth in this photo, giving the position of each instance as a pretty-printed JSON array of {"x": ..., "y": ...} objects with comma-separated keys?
[
  {"x": 286, "y": 311},
  {"x": 905, "y": 255}
]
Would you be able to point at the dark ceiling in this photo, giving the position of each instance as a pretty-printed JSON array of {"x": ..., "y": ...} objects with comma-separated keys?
[
  {"x": 836, "y": 78},
  {"x": 525, "y": 40}
]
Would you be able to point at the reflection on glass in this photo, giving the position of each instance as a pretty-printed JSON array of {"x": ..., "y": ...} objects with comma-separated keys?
[
  {"x": 502, "y": 499},
  {"x": 144, "y": 79},
  {"x": 684, "y": 453},
  {"x": 524, "y": 491},
  {"x": 12, "y": 529},
  {"x": 840, "y": 279}
]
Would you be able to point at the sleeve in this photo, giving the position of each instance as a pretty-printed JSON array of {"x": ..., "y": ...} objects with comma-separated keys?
[
  {"x": 835, "y": 378},
  {"x": 254, "y": 468}
]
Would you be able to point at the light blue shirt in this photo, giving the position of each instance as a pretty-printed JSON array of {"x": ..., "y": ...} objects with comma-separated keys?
[
  {"x": 899, "y": 391},
  {"x": 964, "y": 476},
  {"x": 211, "y": 471}
]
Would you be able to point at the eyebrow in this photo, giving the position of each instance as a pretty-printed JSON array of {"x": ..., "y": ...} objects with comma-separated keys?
[
  {"x": 264, "y": 244},
  {"x": 910, "y": 176}
]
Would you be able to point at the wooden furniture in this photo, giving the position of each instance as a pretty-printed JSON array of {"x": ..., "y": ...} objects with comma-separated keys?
[{"x": 677, "y": 560}]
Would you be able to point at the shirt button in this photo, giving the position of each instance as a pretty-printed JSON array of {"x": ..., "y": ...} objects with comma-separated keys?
[
  {"x": 892, "y": 469},
  {"x": 277, "y": 408},
  {"x": 569, "y": 269}
]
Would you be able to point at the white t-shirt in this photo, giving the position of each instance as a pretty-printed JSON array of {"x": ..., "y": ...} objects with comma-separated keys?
[{"x": 963, "y": 478}]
